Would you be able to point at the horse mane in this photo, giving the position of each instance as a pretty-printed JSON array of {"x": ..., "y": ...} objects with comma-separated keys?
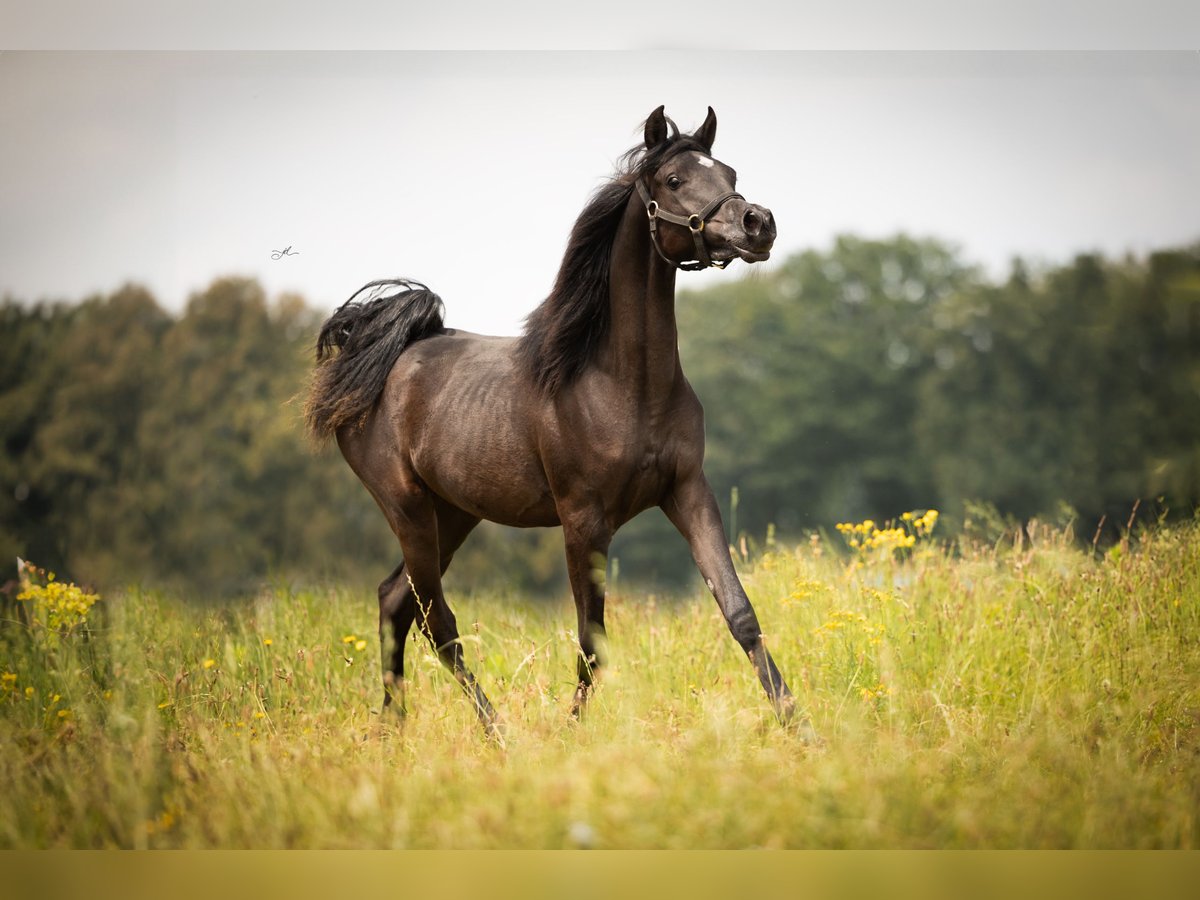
[{"x": 563, "y": 334}]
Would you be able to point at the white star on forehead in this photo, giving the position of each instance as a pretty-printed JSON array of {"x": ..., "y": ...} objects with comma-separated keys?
[{"x": 705, "y": 161}]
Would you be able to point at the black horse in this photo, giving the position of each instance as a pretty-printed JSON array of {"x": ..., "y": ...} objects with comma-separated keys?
[{"x": 584, "y": 421}]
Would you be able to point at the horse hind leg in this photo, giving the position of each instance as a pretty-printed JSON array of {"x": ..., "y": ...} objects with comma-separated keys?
[
  {"x": 397, "y": 610},
  {"x": 428, "y": 536},
  {"x": 398, "y": 604}
]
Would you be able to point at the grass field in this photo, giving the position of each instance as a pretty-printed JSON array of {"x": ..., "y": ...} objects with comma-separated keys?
[{"x": 1028, "y": 694}]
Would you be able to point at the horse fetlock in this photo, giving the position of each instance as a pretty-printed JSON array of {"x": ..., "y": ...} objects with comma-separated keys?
[
  {"x": 496, "y": 731},
  {"x": 746, "y": 631},
  {"x": 579, "y": 703},
  {"x": 394, "y": 693},
  {"x": 589, "y": 663}
]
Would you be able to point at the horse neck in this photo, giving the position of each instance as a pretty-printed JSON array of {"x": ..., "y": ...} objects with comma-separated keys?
[{"x": 642, "y": 350}]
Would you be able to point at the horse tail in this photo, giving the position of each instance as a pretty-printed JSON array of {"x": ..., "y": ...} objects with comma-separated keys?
[{"x": 358, "y": 346}]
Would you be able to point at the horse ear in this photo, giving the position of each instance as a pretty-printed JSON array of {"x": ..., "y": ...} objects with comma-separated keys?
[
  {"x": 707, "y": 132},
  {"x": 656, "y": 128}
]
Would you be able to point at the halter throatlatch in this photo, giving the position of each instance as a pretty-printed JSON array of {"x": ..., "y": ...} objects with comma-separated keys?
[{"x": 695, "y": 224}]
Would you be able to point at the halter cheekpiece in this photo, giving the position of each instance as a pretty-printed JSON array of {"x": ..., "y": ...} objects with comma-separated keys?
[{"x": 695, "y": 223}]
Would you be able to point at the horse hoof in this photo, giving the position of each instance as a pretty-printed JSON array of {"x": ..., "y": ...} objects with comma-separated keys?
[
  {"x": 495, "y": 730},
  {"x": 393, "y": 711},
  {"x": 798, "y": 724},
  {"x": 808, "y": 736},
  {"x": 801, "y": 727}
]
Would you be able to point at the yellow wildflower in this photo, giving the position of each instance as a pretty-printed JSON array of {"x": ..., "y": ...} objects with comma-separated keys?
[
  {"x": 209, "y": 663},
  {"x": 865, "y": 537},
  {"x": 56, "y": 606},
  {"x": 874, "y": 693}
]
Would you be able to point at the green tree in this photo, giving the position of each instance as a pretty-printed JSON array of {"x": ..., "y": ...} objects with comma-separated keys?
[
  {"x": 809, "y": 379},
  {"x": 27, "y": 384}
]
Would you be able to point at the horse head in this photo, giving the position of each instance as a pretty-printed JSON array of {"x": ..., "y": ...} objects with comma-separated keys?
[{"x": 707, "y": 220}]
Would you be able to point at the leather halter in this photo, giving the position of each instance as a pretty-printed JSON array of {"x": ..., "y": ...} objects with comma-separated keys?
[{"x": 695, "y": 224}]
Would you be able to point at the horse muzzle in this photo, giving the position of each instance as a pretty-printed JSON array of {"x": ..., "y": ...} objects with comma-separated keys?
[{"x": 742, "y": 230}]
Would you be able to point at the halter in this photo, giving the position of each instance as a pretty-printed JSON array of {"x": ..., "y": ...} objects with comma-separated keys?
[{"x": 695, "y": 223}]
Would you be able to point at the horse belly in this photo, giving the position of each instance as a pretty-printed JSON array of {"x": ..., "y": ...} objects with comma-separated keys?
[{"x": 479, "y": 461}]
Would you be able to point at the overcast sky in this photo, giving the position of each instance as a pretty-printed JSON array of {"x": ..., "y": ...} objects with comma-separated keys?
[{"x": 466, "y": 169}]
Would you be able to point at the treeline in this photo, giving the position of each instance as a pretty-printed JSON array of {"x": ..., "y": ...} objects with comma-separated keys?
[
  {"x": 141, "y": 446},
  {"x": 863, "y": 381}
]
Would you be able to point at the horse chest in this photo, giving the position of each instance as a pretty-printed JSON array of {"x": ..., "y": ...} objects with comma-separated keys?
[
  {"x": 637, "y": 477},
  {"x": 651, "y": 476},
  {"x": 646, "y": 463},
  {"x": 643, "y": 449}
]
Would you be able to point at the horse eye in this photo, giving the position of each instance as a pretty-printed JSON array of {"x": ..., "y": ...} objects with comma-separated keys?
[{"x": 673, "y": 182}]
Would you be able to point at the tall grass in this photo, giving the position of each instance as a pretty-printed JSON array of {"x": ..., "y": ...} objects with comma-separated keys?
[{"x": 1021, "y": 695}]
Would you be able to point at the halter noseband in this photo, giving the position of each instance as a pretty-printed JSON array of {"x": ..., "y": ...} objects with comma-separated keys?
[{"x": 695, "y": 223}]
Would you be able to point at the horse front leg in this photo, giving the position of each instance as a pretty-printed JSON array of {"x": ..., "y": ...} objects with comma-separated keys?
[
  {"x": 693, "y": 510},
  {"x": 586, "y": 538}
]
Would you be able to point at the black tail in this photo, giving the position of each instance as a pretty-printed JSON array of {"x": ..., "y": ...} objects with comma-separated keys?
[{"x": 359, "y": 345}]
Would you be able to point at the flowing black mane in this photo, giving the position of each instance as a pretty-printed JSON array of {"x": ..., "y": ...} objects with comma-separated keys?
[{"x": 563, "y": 334}]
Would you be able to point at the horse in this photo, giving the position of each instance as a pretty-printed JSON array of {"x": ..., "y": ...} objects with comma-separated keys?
[{"x": 582, "y": 422}]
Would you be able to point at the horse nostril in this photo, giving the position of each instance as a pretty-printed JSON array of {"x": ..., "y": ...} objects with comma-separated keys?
[{"x": 752, "y": 222}]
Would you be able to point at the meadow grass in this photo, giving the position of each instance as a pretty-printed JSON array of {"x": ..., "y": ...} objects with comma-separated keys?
[{"x": 1028, "y": 694}]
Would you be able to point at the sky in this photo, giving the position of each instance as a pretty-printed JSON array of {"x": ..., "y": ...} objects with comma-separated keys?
[{"x": 171, "y": 163}]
